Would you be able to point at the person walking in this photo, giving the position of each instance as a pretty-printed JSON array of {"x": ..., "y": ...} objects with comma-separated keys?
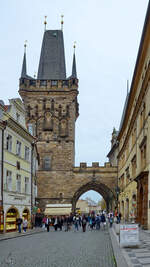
[
  {"x": 76, "y": 223},
  {"x": 47, "y": 223},
  {"x": 111, "y": 220},
  {"x": 103, "y": 220},
  {"x": 19, "y": 222},
  {"x": 83, "y": 223},
  {"x": 56, "y": 223},
  {"x": 25, "y": 224}
]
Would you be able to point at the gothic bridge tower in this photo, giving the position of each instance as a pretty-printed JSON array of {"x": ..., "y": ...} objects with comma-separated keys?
[{"x": 51, "y": 112}]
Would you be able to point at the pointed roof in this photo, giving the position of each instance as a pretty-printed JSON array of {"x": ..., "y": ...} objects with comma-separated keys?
[
  {"x": 24, "y": 67},
  {"x": 52, "y": 60},
  {"x": 124, "y": 110},
  {"x": 74, "y": 72}
]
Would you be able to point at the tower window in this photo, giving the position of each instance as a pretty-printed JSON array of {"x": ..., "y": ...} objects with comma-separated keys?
[{"x": 47, "y": 163}]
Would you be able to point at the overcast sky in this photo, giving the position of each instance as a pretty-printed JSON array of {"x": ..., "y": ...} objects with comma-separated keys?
[{"x": 107, "y": 33}]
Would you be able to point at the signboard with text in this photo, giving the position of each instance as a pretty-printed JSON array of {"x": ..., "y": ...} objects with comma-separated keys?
[{"x": 129, "y": 235}]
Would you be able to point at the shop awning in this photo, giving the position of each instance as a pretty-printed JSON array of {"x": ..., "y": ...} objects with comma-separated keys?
[{"x": 58, "y": 209}]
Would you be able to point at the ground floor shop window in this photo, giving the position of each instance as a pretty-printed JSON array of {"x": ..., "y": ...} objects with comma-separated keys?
[{"x": 11, "y": 216}]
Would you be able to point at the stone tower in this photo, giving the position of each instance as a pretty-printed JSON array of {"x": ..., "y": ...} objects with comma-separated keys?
[{"x": 51, "y": 111}]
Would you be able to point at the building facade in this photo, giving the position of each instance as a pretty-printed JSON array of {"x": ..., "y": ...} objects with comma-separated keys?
[
  {"x": 134, "y": 140},
  {"x": 19, "y": 166}
]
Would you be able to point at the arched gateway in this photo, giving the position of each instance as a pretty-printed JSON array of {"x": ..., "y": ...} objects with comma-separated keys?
[{"x": 51, "y": 111}]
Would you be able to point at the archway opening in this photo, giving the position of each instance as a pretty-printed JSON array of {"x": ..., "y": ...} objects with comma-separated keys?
[
  {"x": 90, "y": 202},
  {"x": 11, "y": 217},
  {"x": 100, "y": 188}
]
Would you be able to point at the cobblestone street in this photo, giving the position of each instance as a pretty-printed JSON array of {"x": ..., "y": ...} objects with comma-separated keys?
[{"x": 58, "y": 249}]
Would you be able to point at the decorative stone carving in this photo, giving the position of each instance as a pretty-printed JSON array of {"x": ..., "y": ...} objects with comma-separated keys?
[
  {"x": 63, "y": 128},
  {"x": 48, "y": 122}
]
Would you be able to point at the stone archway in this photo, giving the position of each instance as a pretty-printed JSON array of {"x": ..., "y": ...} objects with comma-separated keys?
[{"x": 102, "y": 189}]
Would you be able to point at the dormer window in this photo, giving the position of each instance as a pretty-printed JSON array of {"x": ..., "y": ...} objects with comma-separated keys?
[
  {"x": 31, "y": 128},
  {"x": 17, "y": 117}
]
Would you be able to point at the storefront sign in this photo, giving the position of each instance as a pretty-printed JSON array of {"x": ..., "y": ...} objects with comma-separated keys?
[{"x": 129, "y": 235}]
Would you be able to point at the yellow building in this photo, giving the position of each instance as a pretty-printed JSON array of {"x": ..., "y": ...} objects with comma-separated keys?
[
  {"x": 19, "y": 166},
  {"x": 134, "y": 139}
]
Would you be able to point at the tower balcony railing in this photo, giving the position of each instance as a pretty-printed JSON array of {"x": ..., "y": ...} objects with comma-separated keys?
[{"x": 49, "y": 84}]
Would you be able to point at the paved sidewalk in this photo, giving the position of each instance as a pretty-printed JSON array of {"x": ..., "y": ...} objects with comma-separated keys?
[
  {"x": 16, "y": 234},
  {"x": 132, "y": 257}
]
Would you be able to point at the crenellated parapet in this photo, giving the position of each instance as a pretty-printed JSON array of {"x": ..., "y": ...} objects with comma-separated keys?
[
  {"x": 35, "y": 84},
  {"x": 95, "y": 166}
]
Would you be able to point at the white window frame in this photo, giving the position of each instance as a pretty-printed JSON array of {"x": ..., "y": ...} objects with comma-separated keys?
[
  {"x": 27, "y": 153},
  {"x": 18, "y": 183},
  {"x": 9, "y": 180},
  {"x": 26, "y": 185},
  {"x": 18, "y": 148},
  {"x": 31, "y": 128},
  {"x": 17, "y": 117},
  {"x": 9, "y": 143}
]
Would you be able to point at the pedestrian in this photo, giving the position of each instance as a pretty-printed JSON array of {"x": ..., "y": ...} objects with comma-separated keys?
[
  {"x": 103, "y": 220},
  {"x": 111, "y": 220},
  {"x": 25, "y": 224},
  {"x": 119, "y": 217},
  {"x": 19, "y": 222},
  {"x": 47, "y": 223},
  {"x": 83, "y": 223},
  {"x": 56, "y": 223},
  {"x": 76, "y": 223},
  {"x": 90, "y": 223},
  {"x": 44, "y": 222},
  {"x": 97, "y": 220}
]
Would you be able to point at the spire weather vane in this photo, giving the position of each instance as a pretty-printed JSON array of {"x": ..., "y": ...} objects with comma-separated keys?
[
  {"x": 74, "y": 46},
  {"x": 62, "y": 22},
  {"x": 25, "y": 46},
  {"x": 45, "y": 23}
]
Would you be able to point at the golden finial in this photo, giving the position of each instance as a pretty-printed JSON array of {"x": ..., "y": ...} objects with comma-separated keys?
[
  {"x": 25, "y": 46},
  {"x": 45, "y": 23},
  {"x": 35, "y": 74},
  {"x": 74, "y": 46},
  {"x": 62, "y": 22}
]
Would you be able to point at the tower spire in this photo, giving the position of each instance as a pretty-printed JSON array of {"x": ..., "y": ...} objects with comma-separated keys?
[
  {"x": 24, "y": 66},
  {"x": 74, "y": 72}
]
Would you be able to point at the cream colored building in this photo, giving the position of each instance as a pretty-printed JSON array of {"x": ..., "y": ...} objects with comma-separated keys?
[
  {"x": 19, "y": 166},
  {"x": 134, "y": 139},
  {"x": 82, "y": 206}
]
